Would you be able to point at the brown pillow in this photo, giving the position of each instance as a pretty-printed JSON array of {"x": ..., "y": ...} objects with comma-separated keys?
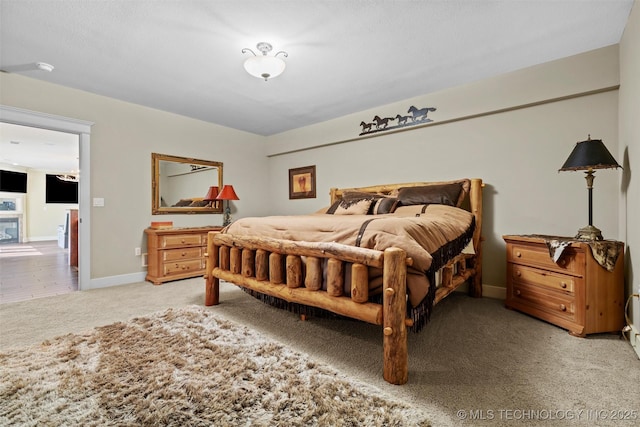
[
  {"x": 183, "y": 202},
  {"x": 360, "y": 195},
  {"x": 440, "y": 194},
  {"x": 385, "y": 205}
]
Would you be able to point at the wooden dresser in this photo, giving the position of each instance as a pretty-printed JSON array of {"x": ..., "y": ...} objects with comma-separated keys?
[
  {"x": 575, "y": 293},
  {"x": 176, "y": 253}
]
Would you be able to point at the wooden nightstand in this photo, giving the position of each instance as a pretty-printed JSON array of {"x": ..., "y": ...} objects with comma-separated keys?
[
  {"x": 176, "y": 253},
  {"x": 575, "y": 293}
]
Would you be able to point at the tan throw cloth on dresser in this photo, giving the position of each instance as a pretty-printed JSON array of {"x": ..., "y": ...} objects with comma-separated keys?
[{"x": 605, "y": 252}]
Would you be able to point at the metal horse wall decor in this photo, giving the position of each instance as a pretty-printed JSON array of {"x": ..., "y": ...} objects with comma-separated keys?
[{"x": 415, "y": 117}]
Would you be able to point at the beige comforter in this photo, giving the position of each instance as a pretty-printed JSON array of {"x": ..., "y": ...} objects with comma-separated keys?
[{"x": 420, "y": 234}]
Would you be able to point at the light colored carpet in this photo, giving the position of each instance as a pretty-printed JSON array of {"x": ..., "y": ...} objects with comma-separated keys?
[
  {"x": 475, "y": 360},
  {"x": 183, "y": 367}
]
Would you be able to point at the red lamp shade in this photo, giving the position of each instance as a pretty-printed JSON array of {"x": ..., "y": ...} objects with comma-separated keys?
[
  {"x": 227, "y": 193},
  {"x": 211, "y": 194}
]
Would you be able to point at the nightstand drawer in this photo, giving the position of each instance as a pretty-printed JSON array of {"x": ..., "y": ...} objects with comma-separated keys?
[
  {"x": 181, "y": 240},
  {"x": 183, "y": 266},
  {"x": 182, "y": 254},
  {"x": 544, "y": 278},
  {"x": 535, "y": 297},
  {"x": 538, "y": 256}
]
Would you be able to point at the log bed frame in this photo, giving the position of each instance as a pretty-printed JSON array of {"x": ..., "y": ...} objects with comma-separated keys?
[{"x": 274, "y": 267}]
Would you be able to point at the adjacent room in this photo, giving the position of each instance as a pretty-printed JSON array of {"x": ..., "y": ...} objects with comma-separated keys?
[{"x": 366, "y": 212}]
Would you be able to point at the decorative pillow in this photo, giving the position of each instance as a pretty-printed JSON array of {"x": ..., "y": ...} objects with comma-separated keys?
[
  {"x": 357, "y": 207},
  {"x": 450, "y": 193},
  {"x": 385, "y": 205},
  {"x": 333, "y": 207},
  {"x": 349, "y": 197},
  {"x": 183, "y": 202},
  {"x": 360, "y": 195}
]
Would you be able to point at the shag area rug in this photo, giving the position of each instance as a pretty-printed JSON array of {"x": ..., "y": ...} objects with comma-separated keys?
[{"x": 183, "y": 367}]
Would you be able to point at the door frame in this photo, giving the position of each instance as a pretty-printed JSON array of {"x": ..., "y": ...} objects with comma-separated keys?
[{"x": 82, "y": 128}]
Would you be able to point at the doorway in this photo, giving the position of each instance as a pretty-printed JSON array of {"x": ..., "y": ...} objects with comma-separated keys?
[{"x": 82, "y": 129}]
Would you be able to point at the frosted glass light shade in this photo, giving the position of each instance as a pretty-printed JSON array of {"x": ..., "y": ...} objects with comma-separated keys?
[{"x": 264, "y": 67}]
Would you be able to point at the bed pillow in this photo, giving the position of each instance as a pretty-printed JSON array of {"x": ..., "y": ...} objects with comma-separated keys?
[
  {"x": 183, "y": 202},
  {"x": 199, "y": 203},
  {"x": 360, "y": 195},
  {"x": 350, "y": 197},
  {"x": 384, "y": 205},
  {"x": 356, "y": 207},
  {"x": 450, "y": 193}
]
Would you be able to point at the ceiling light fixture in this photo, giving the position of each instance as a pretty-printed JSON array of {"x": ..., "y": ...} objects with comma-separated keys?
[
  {"x": 264, "y": 66},
  {"x": 67, "y": 178},
  {"x": 43, "y": 66}
]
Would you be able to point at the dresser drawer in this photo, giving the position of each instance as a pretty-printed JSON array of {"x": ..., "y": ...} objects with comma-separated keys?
[
  {"x": 570, "y": 262},
  {"x": 536, "y": 297},
  {"x": 182, "y": 254},
  {"x": 181, "y": 240},
  {"x": 183, "y": 266},
  {"x": 543, "y": 278}
]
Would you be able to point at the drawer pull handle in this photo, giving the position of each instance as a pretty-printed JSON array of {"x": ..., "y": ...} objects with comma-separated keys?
[
  {"x": 518, "y": 292},
  {"x": 563, "y": 307},
  {"x": 518, "y": 273},
  {"x": 184, "y": 254},
  {"x": 562, "y": 262},
  {"x": 563, "y": 285},
  {"x": 518, "y": 254}
]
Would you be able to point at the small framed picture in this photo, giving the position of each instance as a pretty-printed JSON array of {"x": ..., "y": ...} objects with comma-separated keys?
[{"x": 302, "y": 182}]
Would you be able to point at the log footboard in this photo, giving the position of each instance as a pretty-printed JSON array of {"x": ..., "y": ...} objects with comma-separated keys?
[
  {"x": 260, "y": 264},
  {"x": 312, "y": 274}
]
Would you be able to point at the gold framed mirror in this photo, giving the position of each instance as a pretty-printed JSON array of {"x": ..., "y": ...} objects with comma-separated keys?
[{"x": 180, "y": 185}]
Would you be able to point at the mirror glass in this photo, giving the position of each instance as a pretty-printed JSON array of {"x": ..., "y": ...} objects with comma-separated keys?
[{"x": 180, "y": 185}]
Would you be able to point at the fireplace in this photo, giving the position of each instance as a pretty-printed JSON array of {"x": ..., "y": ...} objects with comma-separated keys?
[{"x": 9, "y": 230}]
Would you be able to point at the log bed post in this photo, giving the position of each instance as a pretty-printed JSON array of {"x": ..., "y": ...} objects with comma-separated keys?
[
  {"x": 396, "y": 355},
  {"x": 475, "y": 201},
  {"x": 212, "y": 286}
]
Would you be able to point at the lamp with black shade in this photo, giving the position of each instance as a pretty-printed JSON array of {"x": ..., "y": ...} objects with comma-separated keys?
[
  {"x": 589, "y": 155},
  {"x": 227, "y": 193}
]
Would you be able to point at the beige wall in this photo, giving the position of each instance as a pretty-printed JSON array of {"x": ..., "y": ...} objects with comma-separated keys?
[
  {"x": 629, "y": 154},
  {"x": 122, "y": 139},
  {"x": 517, "y": 152},
  {"x": 42, "y": 218}
]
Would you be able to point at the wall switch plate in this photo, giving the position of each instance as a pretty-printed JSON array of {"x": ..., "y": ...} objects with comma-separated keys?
[
  {"x": 98, "y": 201},
  {"x": 137, "y": 251}
]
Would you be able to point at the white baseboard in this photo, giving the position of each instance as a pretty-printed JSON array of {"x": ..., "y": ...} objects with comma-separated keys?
[
  {"x": 40, "y": 239},
  {"x": 123, "y": 279}
]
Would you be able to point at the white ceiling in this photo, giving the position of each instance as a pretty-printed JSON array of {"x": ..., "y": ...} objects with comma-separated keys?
[
  {"x": 344, "y": 56},
  {"x": 39, "y": 149}
]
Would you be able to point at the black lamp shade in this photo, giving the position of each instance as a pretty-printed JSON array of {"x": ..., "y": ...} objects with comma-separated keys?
[{"x": 589, "y": 154}]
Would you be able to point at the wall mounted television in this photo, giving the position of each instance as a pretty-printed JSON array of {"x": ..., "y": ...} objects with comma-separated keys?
[
  {"x": 59, "y": 191},
  {"x": 13, "y": 182}
]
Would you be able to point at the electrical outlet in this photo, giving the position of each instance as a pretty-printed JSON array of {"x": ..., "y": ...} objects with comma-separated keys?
[{"x": 137, "y": 251}]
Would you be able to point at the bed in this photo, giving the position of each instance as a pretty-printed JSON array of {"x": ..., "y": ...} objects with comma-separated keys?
[{"x": 383, "y": 254}]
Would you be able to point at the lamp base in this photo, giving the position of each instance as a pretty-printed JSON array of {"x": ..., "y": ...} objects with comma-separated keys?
[
  {"x": 227, "y": 216},
  {"x": 589, "y": 233}
]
